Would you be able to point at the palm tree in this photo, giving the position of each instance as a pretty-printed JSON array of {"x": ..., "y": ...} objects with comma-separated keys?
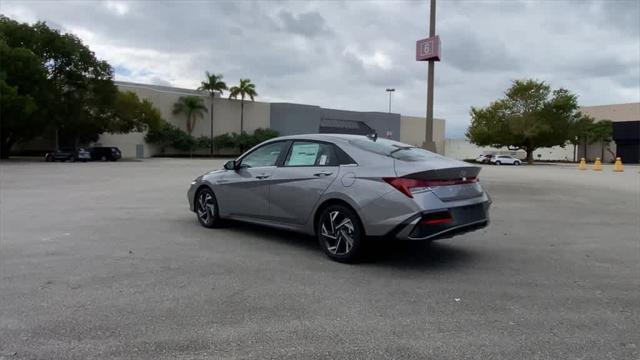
[
  {"x": 245, "y": 88},
  {"x": 213, "y": 85},
  {"x": 192, "y": 107}
]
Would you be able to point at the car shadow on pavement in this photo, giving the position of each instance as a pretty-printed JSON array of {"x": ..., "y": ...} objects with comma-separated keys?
[
  {"x": 379, "y": 252},
  {"x": 417, "y": 255}
]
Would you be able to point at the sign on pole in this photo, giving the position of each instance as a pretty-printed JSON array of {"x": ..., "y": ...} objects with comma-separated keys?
[{"x": 428, "y": 49}]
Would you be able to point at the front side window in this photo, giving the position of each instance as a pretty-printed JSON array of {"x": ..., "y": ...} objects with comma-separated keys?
[
  {"x": 266, "y": 155},
  {"x": 307, "y": 153}
]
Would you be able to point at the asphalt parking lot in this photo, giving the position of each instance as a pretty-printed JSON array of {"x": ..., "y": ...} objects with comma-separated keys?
[{"x": 104, "y": 260}]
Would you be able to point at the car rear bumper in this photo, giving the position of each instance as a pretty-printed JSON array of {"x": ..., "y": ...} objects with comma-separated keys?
[{"x": 444, "y": 223}]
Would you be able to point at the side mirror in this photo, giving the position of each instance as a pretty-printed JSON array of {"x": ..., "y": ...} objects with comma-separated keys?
[{"x": 230, "y": 165}]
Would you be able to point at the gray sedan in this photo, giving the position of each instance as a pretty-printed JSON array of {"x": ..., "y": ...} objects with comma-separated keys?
[{"x": 343, "y": 189}]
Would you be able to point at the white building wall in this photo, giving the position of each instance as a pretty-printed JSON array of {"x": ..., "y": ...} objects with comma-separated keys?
[{"x": 127, "y": 143}]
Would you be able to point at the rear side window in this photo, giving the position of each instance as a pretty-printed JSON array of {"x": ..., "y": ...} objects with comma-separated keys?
[
  {"x": 309, "y": 153},
  {"x": 394, "y": 149}
]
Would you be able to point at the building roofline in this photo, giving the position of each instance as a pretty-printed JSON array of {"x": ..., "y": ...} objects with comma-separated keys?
[
  {"x": 608, "y": 105},
  {"x": 161, "y": 88}
]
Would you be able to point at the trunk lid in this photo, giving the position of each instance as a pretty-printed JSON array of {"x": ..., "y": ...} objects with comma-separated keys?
[{"x": 451, "y": 180}]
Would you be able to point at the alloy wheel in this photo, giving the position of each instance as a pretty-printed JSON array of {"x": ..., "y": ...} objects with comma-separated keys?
[
  {"x": 338, "y": 232},
  {"x": 205, "y": 207}
]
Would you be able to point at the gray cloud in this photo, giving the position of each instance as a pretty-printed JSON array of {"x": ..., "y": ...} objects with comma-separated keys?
[
  {"x": 468, "y": 52},
  {"x": 309, "y": 24},
  {"x": 344, "y": 54}
]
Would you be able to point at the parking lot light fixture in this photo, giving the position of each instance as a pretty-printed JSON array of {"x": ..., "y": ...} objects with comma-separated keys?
[{"x": 390, "y": 90}]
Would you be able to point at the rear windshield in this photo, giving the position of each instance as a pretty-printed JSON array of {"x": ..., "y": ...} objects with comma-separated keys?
[{"x": 394, "y": 149}]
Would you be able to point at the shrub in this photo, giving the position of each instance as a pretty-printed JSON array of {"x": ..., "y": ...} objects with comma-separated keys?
[
  {"x": 203, "y": 142},
  {"x": 168, "y": 135},
  {"x": 261, "y": 135},
  {"x": 243, "y": 141},
  {"x": 223, "y": 141}
]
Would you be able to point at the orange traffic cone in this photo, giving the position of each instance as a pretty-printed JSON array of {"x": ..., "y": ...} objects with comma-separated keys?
[
  {"x": 618, "y": 165},
  {"x": 582, "y": 165},
  {"x": 597, "y": 165}
]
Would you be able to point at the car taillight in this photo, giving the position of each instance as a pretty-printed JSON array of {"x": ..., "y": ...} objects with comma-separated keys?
[{"x": 409, "y": 186}]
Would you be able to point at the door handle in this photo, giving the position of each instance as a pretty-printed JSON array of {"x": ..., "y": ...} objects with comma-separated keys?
[
  {"x": 262, "y": 177},
  {"x": 323, "y": 173}
]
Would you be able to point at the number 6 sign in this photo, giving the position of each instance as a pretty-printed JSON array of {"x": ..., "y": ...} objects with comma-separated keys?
[{"x": 428, "y": 49}]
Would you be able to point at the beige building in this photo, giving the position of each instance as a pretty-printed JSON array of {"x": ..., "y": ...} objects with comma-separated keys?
[
  {"x": 412, "y": 131},
  {"x": 626, "y": 133},
  {"x": 283, "y": 117}
]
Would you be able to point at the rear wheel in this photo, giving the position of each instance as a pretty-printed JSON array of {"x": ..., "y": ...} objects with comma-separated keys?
[
  {"x": 206, "y": 207},
  {"x": 340, "y": 233},
  {"x": 498, "y": 163}
]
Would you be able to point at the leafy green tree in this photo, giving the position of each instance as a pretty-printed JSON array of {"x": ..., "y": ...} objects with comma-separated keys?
[
  {"x": 132, "y": 114},
  {"x": 530, "y": 116},
  {"x": 80, "y": 87},
  {"x": 602, "y": 132},
  {"x": 52, "y": 81},
  {"x": 213, "y": 85},
  {"x": 192, "y": 107},
  {"x": 579, "y": 131},
  {"x": 23, "y": 85},
  {"x": 245, "y": 88}
]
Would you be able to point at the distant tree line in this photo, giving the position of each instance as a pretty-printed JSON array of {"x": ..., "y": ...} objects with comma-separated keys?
[{"x": 531, "y": 116}]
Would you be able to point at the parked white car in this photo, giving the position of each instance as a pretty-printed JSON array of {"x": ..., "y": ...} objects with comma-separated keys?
[{"x": 505, "y": 159}]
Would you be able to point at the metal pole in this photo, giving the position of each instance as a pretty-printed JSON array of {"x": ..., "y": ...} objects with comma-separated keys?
[
  {"x": 428, "y": 139},
  {"x": 389, "y": 90},
  {"x": 213, "y": 95}
]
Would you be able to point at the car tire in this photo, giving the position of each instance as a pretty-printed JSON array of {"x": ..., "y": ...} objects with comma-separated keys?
[
  {"x": 103, "y": 158},
  {"x": 340, "y": 233},
  {"x": 516, "y": 163},
  {"x": 48, "y": 158},
  {"x": 498, "y": 163},
  {"x": 206, "y": 207}
]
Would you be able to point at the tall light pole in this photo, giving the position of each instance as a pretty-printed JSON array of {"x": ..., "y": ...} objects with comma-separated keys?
[
  {"x": 390, "y": 90},
  {"x": 429, "y": 144}
]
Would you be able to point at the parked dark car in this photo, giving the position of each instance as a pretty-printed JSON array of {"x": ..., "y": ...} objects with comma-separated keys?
[
  {"x": 105, "y": 153},
  {"x": 68, "y": 154}
]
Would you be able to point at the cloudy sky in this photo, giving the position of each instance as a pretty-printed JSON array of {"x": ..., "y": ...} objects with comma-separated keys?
[{"x": 343, "y": 54}]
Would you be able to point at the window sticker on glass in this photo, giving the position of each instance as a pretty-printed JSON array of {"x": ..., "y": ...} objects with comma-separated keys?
[
  {"x": 323, "y": 160},
  {"x": 303, "y": 155}
]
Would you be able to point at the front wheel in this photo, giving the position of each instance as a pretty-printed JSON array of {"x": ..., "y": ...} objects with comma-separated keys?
[
  {"x": 207, "y": 209},
  {"x": 516, "y": 163},
  {"x": 340, "y": 233},
  {"x": 498, "y": 163}
]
